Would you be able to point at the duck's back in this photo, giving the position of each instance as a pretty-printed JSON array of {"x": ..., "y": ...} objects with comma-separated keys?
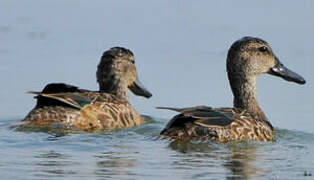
[
  {"x": 86, "y": 110},
  {"x": 221, "y": 124}
]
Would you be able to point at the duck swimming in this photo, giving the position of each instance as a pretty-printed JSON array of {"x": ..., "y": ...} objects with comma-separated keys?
[
  {"x": 247, "y": 58},
  {"x": 89, "y": 110}
]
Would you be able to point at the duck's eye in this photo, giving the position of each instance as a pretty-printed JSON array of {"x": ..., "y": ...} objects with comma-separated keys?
[{"x": 263, "y": 49}]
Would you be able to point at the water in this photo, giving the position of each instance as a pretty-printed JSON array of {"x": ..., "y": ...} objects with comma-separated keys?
[
  {"x": 180, "y": 49},
  {"x": 138, "y": 154}
]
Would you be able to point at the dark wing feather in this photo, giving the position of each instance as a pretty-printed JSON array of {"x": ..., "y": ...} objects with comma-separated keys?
[
  {"x": 77, "y": 100},
  {"x": 205, "y": 116},
  {"x": 61, "y": 94},
  {"x": 188, "y": 109},
  {"x": 199, "y": 118}
]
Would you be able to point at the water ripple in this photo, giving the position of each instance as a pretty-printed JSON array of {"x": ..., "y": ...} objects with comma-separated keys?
[{"x": 137, "y": 153}]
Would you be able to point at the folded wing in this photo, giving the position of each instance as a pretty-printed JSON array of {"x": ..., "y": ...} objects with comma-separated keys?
[
  {"x": 198, "y": 121},
  {"x": 63, "y": 95}
]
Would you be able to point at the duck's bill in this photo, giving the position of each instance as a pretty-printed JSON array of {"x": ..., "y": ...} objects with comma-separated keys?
[
  {"x": 138, "y": 89},
  {"x": 280, "y": 70}
]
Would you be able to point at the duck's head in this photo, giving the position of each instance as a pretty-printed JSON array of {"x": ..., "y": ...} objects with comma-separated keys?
[
  {"x": 250, "y": 56},
  {"x": 116, "y": 72}
]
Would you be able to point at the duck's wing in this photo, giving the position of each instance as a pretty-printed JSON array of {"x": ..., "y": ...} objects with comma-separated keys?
[
  {"x": 200, "y": 119},
  {"x": 204, "y": 115},
  {"x": 58, "y": 88},
  {"x": 76, "y": 100},
  {"x": 64, "y": 95}
]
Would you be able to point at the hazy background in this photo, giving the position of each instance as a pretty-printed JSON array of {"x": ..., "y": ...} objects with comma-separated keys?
[{"x": 180, "y": 49}]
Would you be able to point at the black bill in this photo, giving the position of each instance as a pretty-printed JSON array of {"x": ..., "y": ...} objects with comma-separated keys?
[
  {"x": 138, "y": 89},
  {"x": 280, "y": 70}
]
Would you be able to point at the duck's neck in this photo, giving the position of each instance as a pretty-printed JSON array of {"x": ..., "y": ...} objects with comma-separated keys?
[
  {"x": 245, "y": 95},
  {"x": 114, "y": 86}
]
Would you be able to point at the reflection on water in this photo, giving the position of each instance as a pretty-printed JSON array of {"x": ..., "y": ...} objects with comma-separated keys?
[
  {"x": 53, "y": 164},
  {"x": 241, "y": 161},
  {"x": 105, "y": 164},
  {"x": 136, "y": 154},
  {"x": 111, "y": 164},
  {"x": 237, "y": 158}
]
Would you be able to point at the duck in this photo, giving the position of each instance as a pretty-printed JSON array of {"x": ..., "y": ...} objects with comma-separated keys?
[
  {"x": 247, "y": 58},
  {"x": 108, "y": 108}
]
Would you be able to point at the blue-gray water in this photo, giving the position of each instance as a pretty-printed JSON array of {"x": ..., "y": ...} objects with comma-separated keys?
[
  {"x": 180, "y": 49},
  {"x": 137, "y": 154}
]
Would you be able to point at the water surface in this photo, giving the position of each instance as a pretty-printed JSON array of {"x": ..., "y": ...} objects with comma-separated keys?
[{"x": 137, "y": 154}]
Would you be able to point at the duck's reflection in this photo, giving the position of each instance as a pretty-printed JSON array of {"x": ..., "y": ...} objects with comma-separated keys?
[
  {"x": 237, "y": 158},
  {"x": 241, "y": 161},
  {"x": 114, "y": 164},
  {"x": 107, "y": 165},
  {"x": 54, "y": 164}
]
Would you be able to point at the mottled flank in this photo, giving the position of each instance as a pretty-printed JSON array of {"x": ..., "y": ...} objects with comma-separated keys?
[
  {"x": 223, "y": 124},
  {"x": 247, "y": 58},
  {"x": 82, "y": 109}
]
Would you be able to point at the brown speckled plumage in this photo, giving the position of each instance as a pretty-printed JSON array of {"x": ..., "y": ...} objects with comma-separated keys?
[
  {"x": 247, "y": 58},
  {"x": 107, "y": 108}
]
